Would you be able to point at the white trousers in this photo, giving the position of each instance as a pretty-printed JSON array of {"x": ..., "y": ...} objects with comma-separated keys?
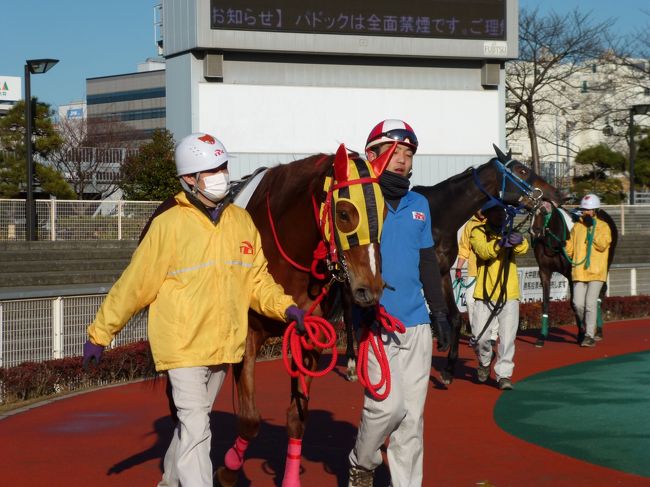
[
  {"x": 470, "y": 300},
  {"x": 507, "y": 322},
  {"x": 585, "y": 299},
  {"x": 400, "y": 416},
  {"x": 187, "y": 461}
]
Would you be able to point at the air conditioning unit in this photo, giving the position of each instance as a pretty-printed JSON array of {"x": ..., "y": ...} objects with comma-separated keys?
[
  {"x": 490, "y": 74},
  {"x": 213, "y": 67}
]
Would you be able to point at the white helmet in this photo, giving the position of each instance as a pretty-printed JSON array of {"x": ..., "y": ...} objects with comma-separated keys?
[
  {"x": 590, "y": 202},
  {"x": 199, "y": 152}
]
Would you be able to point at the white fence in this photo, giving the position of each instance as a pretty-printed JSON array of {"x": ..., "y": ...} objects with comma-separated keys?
[
  {"x": 124, "y": 220},
  {"x": 77, "y": 220},
  {"x": 55, "y": 327},
  {"x": 41, "y": 329}
]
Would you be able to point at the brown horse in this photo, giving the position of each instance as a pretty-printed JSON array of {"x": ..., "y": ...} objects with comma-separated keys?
[
  {"x": 550, "y": 231},
  {"x": 283, "y": 209},
  {"x": 452, "y": 202}
]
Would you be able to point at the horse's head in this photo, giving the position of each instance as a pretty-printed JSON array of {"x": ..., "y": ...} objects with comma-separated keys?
[
  {"x": 520, "y": 185},
  {"x": 357, "y": 209},
  {"x": 540, "y": 221}
]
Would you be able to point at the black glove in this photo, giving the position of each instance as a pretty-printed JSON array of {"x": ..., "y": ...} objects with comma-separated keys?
[
  {"x": 587, "y": 220},
  {"x": 294, "y": 313},
  {"x": 442, "y": 329},
  {"x": 459, "y": 273}
]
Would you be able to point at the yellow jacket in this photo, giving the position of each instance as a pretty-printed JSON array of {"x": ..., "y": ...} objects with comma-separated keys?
[
  {"x": 464, "y": 247},
  {"x": 489, "y": 259},
  {"x": 576, "y": 248},
  {"x": 199, "y": 281}
]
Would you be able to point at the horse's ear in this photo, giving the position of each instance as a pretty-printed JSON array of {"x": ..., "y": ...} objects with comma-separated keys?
[
  {"x": 379, "y": 164},
  {"x": 509, "y": 154},
  {"x": 341, "y": 165},
  {"x": 500, "y": 155}
]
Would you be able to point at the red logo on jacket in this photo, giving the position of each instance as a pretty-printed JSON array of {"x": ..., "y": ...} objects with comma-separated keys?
[
  {"x": 246, "y": 248},
  {"x": 418, "y": 215}
]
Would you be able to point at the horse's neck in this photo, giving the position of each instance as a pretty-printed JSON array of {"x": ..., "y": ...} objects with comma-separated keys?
[{"x": 458, "y": 198}]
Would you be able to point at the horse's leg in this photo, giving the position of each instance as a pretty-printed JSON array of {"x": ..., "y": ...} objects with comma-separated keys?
[
  {"x": 296, "y": 419},
  {"x": 351, "y": 372},
  {"x": 447, "y": 374},
  {"x": 248, "y": 417},
  {"x": 545, "y": 278}
]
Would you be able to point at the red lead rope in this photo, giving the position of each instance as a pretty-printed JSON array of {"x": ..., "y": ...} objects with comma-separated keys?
[
  {"x": 316, "y": 326},
  {"x": 371, "y": 336}
]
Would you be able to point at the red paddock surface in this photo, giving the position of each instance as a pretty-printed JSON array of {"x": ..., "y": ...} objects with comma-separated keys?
[{"x": 117, "y": 436}]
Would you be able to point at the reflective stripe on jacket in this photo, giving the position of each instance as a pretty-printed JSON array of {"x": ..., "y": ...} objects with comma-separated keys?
[
  {"x": 199, "y": 280},
  {"x": 464, "y": 247},
  {"x": 489, "y": 259},
  {"x": 576, "y": 248}
]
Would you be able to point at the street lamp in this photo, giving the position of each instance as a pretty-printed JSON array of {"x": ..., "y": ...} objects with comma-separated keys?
[
  {"x": 634, "y": 110},
  {"x": 32, "y": 66}
]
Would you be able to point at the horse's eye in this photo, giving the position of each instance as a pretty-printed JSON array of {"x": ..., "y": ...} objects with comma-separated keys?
[{"x": 344, "y": 216}]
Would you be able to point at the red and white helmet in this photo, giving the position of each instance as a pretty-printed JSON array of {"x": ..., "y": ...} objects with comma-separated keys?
[
  {"x": 590, "y": 202},
  {"x": 199, "y": 152},
  {"x": 392, "y": 130}
]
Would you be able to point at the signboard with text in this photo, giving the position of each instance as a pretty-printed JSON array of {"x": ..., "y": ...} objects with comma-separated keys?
[
  {"x": 530, "y": 287},
  {"x": 449, "y": 19},
  {"x": 10, "y": 88}
]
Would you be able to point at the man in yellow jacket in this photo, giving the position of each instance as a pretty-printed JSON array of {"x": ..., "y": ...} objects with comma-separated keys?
[
  {"x": 496, "y": 294},
  {"x": 588, "y": 247},
  {"x": 199, "y": 268}
]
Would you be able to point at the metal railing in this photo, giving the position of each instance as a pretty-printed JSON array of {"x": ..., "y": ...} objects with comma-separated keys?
[
  {"x": 55, "y": 327},
  {"x": 77, "y": 220},
  {"x": 124, "y": 220}
]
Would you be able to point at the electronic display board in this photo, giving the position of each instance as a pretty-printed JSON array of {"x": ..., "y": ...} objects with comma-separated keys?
[{"x": 443, "y": 19}]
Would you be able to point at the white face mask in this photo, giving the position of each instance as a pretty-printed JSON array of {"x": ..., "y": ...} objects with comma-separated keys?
[{"x": 216, "y": 186}]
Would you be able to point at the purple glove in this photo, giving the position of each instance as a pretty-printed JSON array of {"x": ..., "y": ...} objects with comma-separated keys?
[
  {"x": 91, "y": 351},
  {"x": 515, "y": 239},
  {"x": 294, "y": 313}
]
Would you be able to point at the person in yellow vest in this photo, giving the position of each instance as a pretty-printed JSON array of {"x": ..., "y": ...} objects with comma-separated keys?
[
  {"x": 496, "y": 294},
  {"x": 588, "y": 247},
  {"x": 191, "y": 271}
]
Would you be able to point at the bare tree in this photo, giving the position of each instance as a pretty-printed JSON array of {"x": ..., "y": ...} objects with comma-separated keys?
[
  {"x": 92, "y": 153},
  {"x": 553, "y": 50}
]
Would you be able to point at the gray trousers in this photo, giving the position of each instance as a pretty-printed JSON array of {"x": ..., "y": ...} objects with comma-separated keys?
[
  {"x": 470, "y": 300},
  {"x": 507, "y": 322},
  {"x": 187, "y": 461},
  {"x": 585, "y": 299},
  {"x": 400, "y": 416}
]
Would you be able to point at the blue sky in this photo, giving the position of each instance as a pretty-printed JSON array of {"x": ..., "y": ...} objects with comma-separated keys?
[{"x": 99, "y": 38}]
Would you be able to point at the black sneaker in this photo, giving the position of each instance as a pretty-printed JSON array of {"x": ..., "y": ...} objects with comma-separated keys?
[
  {"x": 588, "y": 342},
  {"x": 505, "y": 384}
]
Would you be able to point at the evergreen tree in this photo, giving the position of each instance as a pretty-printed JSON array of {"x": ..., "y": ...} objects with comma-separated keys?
[
  {"x": 13, "y": 162},
  {"x": 605, "y": 163},
  {"x": 151, "y": 174}
]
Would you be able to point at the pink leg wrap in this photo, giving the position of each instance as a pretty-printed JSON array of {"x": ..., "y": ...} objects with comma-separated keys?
[
  {"x": 292, "y": 467},
  {"x": 235, "y": 456}
]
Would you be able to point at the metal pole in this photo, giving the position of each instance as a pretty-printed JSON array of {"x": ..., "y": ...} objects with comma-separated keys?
[
  {"x": 30, "y": 206},
  {"x": 632, "y": 155}
]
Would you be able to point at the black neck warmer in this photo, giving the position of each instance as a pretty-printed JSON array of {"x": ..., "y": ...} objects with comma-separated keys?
[{"x": 393, "y": 187}]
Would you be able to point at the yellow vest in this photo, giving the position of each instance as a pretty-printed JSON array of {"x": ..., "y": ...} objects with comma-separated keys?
[
  {"x": 489, "y": 259},
  {"x": 576, "y": 248},
  {"x": 199, "y": 281},
  {"x": 464, "y": 247}
]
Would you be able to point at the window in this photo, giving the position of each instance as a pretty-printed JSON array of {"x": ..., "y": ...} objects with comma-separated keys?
[{"x": 585, "y": 87}]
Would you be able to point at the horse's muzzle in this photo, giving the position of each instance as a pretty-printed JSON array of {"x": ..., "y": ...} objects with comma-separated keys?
[{"x": 365, "y": 297}]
